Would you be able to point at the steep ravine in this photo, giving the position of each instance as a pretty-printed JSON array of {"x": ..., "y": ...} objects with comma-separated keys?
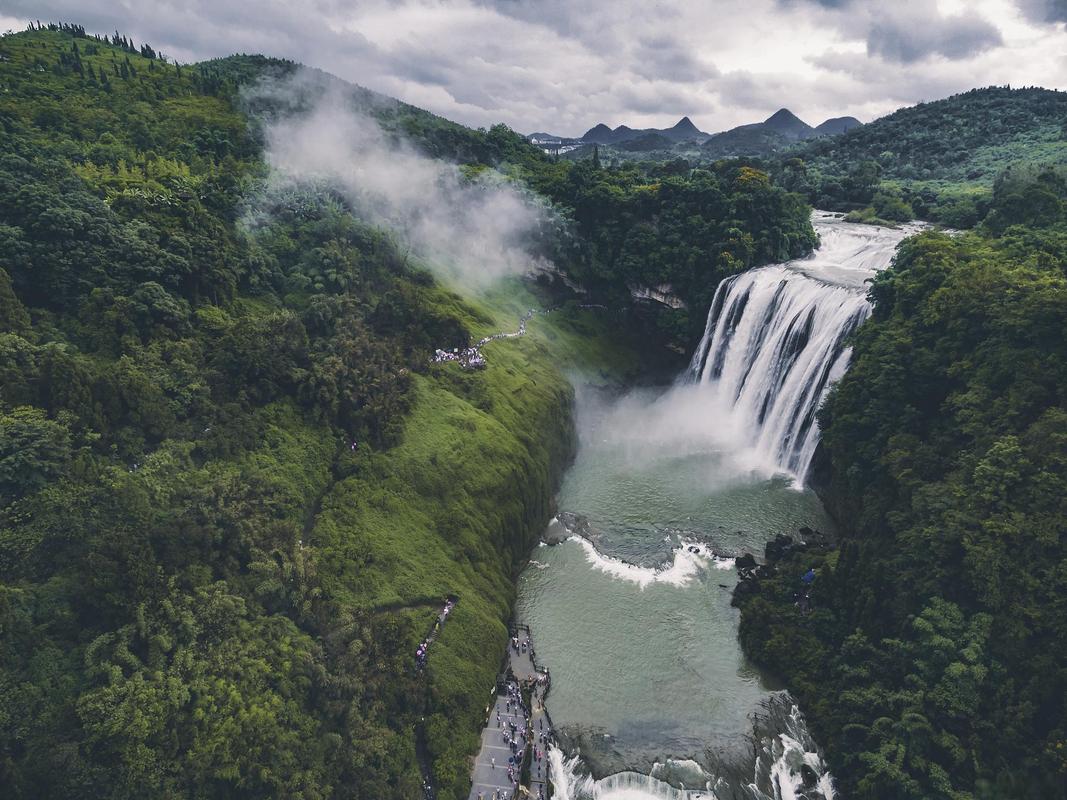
[{"x": 651, "y": 690}]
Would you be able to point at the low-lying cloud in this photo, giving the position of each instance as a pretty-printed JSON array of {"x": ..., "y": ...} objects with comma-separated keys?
[{"x": 471, "y": 230}]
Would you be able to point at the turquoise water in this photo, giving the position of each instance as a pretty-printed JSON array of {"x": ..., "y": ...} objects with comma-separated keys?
[{"x": 647, "y": 656}]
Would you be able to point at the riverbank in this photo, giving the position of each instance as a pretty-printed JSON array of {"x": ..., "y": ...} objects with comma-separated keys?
[
  {"x": 518, "y": 730},
  {"x": 456, "y": 506}
]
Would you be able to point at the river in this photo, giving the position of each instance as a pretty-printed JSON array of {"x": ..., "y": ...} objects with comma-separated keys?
[{"x": 650, "y": 690}]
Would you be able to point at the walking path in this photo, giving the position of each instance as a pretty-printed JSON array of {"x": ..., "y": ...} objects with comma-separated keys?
[
  {"x": 422, "y": 753},
  {"x": 472, "y": 358},
  {"x": 515, "y": 736},
  {"x": 423, "y": 649}
]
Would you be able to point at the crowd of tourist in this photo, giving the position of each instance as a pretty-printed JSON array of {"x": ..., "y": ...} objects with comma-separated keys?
[
  {"x": 523, "y": 728},
  {"x": 422, "y": 651},
  {"x": 471, "y": 357}
]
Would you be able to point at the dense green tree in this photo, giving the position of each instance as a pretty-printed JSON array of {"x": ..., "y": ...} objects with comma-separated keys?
[{"x": 941, "y": 612}]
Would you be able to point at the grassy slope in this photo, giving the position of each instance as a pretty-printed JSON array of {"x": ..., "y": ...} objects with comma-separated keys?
[
  {"x": 456, "y": 506},
  {"x": 453, "y": 508}
]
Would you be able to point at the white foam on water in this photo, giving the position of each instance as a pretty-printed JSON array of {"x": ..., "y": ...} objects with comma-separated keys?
[
  {"x": 778, "y": 774},
  {"x": 570, "y": 784},
  {"x": 685, "y": 565},
  {"x": 785, "y": 756}
]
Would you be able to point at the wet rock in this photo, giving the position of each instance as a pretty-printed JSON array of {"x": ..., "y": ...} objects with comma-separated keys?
[
  {"x": 745, "y": 563},
  {"x": 575, "y": 523},
  {"x": 781, "y": 546},
  {"x": 555, "y": 533},
  {"x": 814, "y": 539},
  {"x": 744, "y": 588}
]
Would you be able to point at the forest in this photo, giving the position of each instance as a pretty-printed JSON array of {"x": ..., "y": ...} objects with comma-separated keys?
[
  {"x": 233, "y": 489},
  {"x": 933, "y": 661},
  {"x": 937, "y": 161}
]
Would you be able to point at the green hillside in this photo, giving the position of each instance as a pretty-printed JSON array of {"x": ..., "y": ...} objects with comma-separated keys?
[
  {"x": 233, "y": 490},
  {"x": 204, "y": 589},
  {"x": 933, "y": 665},
  {"x": 941, "y": 157}
]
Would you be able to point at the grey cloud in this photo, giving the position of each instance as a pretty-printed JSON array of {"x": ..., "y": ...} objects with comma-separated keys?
[
  {"x": 905, "y": 31},
  {"x": 1044, "y": 10},
  {"x": 905, "y": 38},
  {"x": 664, "y": 57},
  {"x": 823, "y": 3},
  {"x": 562, "y": 65}
]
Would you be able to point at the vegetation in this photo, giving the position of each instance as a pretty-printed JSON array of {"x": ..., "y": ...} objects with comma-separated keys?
[
  {"x": 933, "y": 662},
  {"x": 233, "y": 489},
  {"x": 648, "y": 225},
  {"x": 940, "y": 159}
]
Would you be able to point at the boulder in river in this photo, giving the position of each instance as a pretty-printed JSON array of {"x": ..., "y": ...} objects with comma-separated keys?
[
  {"x": 780, "y": 547},
  {"x": 555, "y": 533},
  {"x": 745, "y": 563}
]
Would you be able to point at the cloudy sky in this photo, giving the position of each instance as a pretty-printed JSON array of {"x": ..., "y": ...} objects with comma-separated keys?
[{"x": 563, "y": 65}]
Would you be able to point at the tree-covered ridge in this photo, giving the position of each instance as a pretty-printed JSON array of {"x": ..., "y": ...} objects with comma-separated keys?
[
  {"x": 934, "y": 660},
  {"x": 940, "y": 158},
  {"x": 232, "y": 486},
  {"x": 213, "y": 451},
  {"x": 648, "y": 224}
]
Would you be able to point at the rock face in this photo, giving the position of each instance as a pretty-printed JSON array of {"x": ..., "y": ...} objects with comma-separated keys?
[
  {"x": 662, "y": 294},
  {"x": 781, "y": 546},
  {"x": 750, "y": 571},
  {"x": 555, "y": 533}
]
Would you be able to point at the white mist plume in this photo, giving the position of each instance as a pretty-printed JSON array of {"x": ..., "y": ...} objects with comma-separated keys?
[{"x": 470, "y": 231}]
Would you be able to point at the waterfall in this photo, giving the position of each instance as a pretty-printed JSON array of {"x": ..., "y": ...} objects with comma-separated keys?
[
  {"x": 776, "y": 338},
  {"x": 786, "y": 766},
  {"x": 570, "y": 784}
]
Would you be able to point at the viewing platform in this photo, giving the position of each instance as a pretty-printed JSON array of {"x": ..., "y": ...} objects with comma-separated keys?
[{"x": 518, "y": 728}]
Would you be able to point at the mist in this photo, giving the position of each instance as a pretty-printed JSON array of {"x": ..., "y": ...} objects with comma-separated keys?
[
  {"x": 470, "y": 231},
  {"x": 686, "y": 425}
]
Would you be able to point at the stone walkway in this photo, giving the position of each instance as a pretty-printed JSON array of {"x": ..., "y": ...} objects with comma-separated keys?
[
  {"x": 495, "y": 756},
  {"x": 533, "y": 729}
]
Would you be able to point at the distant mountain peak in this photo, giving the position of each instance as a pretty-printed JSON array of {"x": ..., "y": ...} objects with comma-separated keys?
[
  {"x": 783, "y": 114},
  {"x": 836, "y": 125},
  {"x": 599, "y": 134},
  {"x": 788, "y": 124},
  {"x": 685, "y": 125},
  {"x": 683, "y": 130}
]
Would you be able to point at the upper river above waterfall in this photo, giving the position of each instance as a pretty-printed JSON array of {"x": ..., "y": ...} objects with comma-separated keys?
[{"x": 632, "y": 613}]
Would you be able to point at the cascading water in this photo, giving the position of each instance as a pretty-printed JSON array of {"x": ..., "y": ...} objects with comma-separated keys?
[
  {"x": 776, "y": 338},
  {"x": 652, "y": 698}
]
